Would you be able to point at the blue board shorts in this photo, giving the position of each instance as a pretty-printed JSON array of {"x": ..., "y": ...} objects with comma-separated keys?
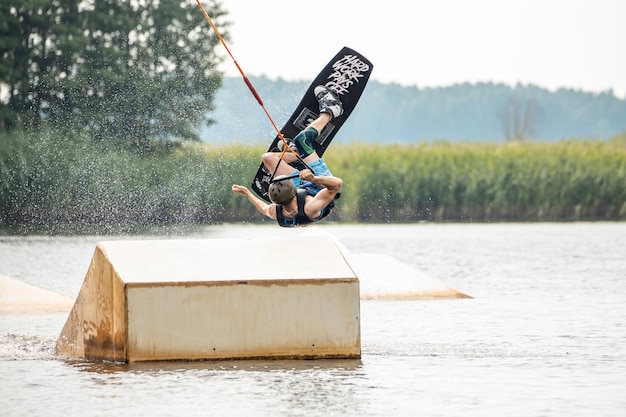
[{"x": 319, "y": 169}]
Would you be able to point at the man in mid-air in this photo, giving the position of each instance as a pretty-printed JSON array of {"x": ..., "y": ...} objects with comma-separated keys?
[{"x": 310, "y": 196}]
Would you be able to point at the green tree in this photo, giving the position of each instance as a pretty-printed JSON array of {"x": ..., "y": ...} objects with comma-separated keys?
[
  {"x": 124, "y": 69},
  {"x": 32, "y": 38}
]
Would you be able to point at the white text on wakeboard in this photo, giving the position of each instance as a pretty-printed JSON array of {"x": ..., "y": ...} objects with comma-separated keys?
[{"x": 346, "y": 72}]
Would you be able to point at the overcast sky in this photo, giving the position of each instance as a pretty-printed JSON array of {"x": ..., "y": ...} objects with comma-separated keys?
[{"x": 578, "y": 44}]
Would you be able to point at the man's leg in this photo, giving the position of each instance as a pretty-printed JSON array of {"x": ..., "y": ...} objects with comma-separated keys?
[
  {"x": 304, "y": 139},
  {"x": 304, "y": 146},
  {"x": 272, "y": 159},
  {"x": 330, "y": 107}
]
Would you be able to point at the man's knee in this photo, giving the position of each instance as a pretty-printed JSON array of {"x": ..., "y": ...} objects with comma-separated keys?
[{"x": 269, "y": 158}]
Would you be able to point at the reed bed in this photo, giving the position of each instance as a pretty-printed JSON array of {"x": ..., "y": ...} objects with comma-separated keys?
[
  {"x": 73, "y": 184},
  {"x": 529, "y": 181}
]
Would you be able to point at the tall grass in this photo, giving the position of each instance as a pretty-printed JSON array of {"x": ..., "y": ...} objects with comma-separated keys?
[
  {"x": 57, "y": 184},
  {"x": 529, "y": 181}
]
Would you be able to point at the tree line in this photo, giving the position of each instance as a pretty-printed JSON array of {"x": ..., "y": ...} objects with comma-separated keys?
[
  {"x": 136, "y": 72},
  {"x": 391, "y": 113}
]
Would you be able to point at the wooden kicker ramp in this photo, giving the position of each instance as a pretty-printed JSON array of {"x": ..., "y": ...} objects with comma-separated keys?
[{"x": 145, "y": 300}]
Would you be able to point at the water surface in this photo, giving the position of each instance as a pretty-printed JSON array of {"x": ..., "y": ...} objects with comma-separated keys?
[{"x": 544, "y": 335}]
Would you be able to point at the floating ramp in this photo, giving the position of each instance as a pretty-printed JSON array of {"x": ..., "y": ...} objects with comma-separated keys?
[
  {"x": 19, "y": 297},
  {"x": 147, "y": 300},
  {"x": 383, "y": 277}
]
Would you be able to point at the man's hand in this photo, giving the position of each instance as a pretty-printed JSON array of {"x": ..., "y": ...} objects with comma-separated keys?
[
  {"x": 333, "y": 184},
  {"x": 239, "y": 189},
  {"x": 307, "y": 175},
  {"x": 267, "y": 209}
]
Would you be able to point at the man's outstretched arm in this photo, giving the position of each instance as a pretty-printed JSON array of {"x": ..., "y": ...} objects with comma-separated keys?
[{"x": 264, "y": 208}]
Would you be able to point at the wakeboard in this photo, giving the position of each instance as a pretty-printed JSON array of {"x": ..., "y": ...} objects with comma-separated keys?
[{"x": 346, "y": 74}]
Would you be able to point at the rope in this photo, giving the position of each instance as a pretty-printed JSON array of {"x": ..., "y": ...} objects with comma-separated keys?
[{"x": 253, "y": 91}]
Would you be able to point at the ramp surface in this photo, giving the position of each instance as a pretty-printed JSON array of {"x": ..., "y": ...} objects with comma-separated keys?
[{"x": 19, "y": 297}]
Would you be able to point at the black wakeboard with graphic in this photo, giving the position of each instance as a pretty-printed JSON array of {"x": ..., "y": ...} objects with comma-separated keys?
[{"x": 346, "y": 74}]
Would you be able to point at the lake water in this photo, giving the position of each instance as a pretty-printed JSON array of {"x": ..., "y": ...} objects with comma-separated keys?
[{"x": 544, "y": 335}]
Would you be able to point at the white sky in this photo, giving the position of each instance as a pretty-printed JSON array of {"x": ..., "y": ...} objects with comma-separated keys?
[{"x": 578, "y": 44}]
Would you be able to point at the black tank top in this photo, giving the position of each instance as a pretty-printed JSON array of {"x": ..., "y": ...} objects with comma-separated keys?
[{"x": 301, "y": 219}]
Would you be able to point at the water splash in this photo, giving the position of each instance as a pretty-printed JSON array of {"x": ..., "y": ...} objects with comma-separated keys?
[{"x": 26, "y": 347}]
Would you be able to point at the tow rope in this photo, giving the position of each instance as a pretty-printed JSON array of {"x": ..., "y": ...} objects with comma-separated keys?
[{"x": 255, "y": 94}]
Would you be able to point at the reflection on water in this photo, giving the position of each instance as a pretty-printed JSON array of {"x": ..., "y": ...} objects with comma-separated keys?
[
  {"x": 545, "y": 334},
  {"x": 222, "y": 366}
]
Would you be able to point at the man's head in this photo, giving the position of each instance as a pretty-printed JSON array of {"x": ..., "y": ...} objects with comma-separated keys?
[{"x": 282, "y": 190}]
